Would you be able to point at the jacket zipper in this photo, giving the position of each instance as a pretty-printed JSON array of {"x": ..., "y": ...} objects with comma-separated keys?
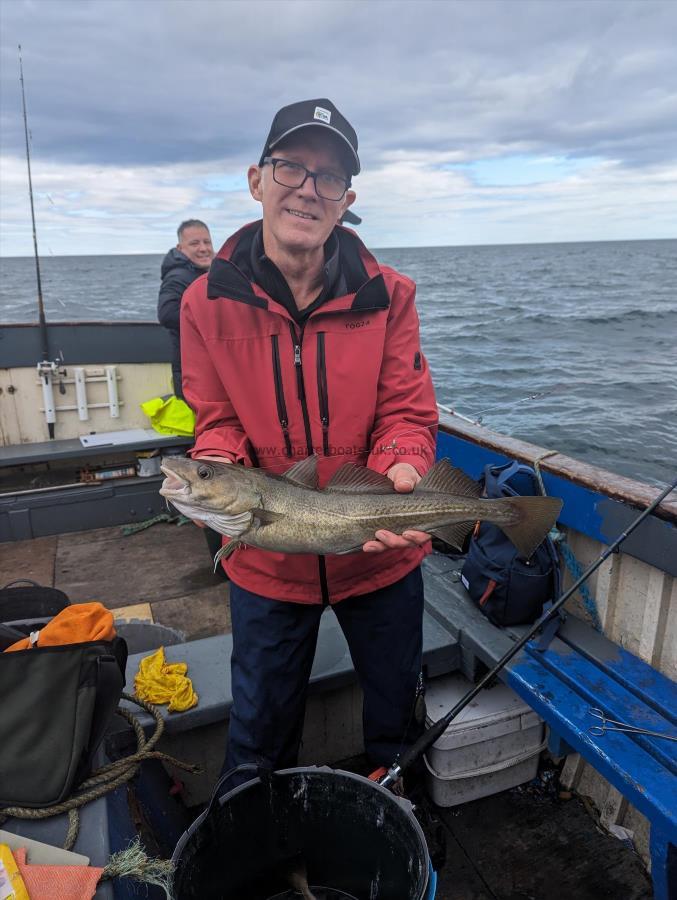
[
  {"x": 323, "y": 393},
  {"x": 279, "y": 395},
  {"x": 297, "y": 343}
]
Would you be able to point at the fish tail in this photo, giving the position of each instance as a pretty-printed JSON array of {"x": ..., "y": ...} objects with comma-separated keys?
[{"x": 535, "y": 518}]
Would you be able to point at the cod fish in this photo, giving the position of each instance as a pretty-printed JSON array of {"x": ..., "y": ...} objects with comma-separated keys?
[{"x": 289, "y": 514}]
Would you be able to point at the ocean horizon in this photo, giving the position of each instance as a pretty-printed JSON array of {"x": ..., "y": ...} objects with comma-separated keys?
[
  {"x": 374, "y": 250},
  {"x": 568, "y": 345}
]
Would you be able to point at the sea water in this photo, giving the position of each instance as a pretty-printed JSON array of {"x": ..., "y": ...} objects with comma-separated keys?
[{"x": 570, "y": 346}]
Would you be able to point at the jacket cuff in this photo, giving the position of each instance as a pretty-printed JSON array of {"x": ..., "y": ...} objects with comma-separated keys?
[{"x": 208, "y": 443}]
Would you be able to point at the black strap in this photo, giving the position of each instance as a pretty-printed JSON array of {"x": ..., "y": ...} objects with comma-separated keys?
[
  {"x": 9, "y": 636},
  {"x": 22, "y": 581},
  {"x": 109, "y": 684},
  {"x": 550, "y": 629}
]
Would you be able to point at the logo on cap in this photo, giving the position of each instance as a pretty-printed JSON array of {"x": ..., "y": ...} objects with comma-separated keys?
[{"x": 322, "y": 114}]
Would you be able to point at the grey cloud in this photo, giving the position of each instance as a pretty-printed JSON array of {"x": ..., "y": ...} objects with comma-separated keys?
[{"x": 154, "y": 83}]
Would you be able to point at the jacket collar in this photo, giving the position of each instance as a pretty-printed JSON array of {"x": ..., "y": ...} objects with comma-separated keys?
[{"x": 231, "y": 276}]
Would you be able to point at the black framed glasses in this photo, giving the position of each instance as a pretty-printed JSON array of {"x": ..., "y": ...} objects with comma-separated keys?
[{"x": 294, "y": 175}]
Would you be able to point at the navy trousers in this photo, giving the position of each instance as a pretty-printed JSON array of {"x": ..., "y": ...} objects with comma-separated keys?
[{"x": 273, "y": 649}]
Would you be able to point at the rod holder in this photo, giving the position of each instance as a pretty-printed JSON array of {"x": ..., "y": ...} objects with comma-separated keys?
[
  {"x": 112, "y": 381},
  {"x": 81, "y": 394}
]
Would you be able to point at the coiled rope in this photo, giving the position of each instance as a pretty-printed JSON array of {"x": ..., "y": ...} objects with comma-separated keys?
[
  {"x": 572, "y": 564},
  {"x": 107, "y": 778},
  {"x": 128, "y": 530}
]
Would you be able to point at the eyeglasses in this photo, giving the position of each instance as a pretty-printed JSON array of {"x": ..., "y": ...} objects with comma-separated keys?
[{"x": 294, "y": 175}]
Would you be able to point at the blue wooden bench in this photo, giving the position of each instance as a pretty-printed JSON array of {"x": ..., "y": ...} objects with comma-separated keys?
[{"x": 580, "y": 670}]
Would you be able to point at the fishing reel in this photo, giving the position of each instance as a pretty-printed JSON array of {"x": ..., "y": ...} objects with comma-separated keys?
[{"x": 48, "y": 371}]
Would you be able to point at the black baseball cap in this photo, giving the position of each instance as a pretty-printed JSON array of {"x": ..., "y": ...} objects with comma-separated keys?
[{"x": 313, "y": 113}]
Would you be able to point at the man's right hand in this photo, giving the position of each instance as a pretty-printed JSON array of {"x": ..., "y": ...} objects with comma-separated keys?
[{"x": 223, "y": 459}]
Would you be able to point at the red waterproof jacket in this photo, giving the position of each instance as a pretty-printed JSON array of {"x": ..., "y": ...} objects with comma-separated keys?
[{"x": 350, "y": 385}]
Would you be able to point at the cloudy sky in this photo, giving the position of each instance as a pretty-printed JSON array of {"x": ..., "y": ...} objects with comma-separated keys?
[{"x": 480, "y": 122}]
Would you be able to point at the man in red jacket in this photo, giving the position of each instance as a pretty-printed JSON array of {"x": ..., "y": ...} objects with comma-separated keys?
[{"x": 299, "y": 342}]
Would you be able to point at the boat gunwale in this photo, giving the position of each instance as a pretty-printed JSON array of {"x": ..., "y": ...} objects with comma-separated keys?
[{"x": 594, "y": 478}]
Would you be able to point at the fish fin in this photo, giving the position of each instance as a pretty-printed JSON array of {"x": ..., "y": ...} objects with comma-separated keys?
[
  {"x": 454, "y": 534},
  {"x": 445, "y": 479},
  {"x": 230, "y": 526},
  {"x": 303, "y": 473},
  {"x": 354, "y": 479},
  {"x": 225, "y": 551},
  {"x": 537, "y": 515},
  {"x": 352, "y": 550}
]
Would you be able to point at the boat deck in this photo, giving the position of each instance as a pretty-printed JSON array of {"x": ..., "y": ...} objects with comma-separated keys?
[
  {"x": 130, "y": 574},
  {"x": 527, "y": 843}
]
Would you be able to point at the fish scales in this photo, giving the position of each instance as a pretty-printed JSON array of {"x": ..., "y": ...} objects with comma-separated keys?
[
  {"x": 314, "y": 521},
  {"x": 289, "y": 514}
]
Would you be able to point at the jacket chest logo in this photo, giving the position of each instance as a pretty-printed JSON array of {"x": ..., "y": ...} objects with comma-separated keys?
[{"x": 361, "y": 323}]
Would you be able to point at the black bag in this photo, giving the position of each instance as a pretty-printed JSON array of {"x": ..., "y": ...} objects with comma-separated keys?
[
  {"x": 55, "y": 706},
  {"x": 25, "y": 599},
  {"x": 507, "y": 588}
]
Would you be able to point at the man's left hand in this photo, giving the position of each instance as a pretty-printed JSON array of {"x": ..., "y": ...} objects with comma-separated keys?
[{"x": 405, "y": 478}]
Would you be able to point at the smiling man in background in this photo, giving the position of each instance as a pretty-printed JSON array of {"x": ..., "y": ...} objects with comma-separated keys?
[
  {"x": 191, "y": 257},
  {"x": 298, "y": 342}
]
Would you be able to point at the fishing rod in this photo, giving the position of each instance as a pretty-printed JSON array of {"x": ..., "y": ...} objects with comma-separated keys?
[
  {"x": 46, "y": 369},
  {"x": 429, "y": 737},
  {"x": 41, "y": 306},
  {"x": 478, "y": 418}
]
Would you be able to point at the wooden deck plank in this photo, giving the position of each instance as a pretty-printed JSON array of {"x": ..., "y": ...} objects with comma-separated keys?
[
  {"x": 526, "y": 847},
  {"x": 28, "y": 559},
  {"x": 162, "y": 562},
  {"x": 198, "y": 614}
]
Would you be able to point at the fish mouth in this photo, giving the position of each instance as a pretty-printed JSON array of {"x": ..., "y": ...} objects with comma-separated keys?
[{"x": 174, "y": 485}]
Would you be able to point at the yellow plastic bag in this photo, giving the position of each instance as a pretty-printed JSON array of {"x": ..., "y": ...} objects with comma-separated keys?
[
  {"x": 158, "y": 681},
  {"x": 11, "y": 883},
  {"x": 170, "y": 416}
]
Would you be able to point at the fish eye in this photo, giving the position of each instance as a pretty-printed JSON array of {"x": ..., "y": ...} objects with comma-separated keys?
[{"x": 205, "y": 472}]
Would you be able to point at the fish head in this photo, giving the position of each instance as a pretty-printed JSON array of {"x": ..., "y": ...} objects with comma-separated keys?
[{"x": 221, "y": 494}]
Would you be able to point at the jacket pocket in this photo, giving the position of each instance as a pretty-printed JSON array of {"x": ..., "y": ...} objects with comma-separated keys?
[
  {"x": 279, "y": 395},
  {"x": 323, "y": 394}
]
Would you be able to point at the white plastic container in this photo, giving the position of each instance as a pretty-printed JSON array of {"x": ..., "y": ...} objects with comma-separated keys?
[{"x": 492, "y": 745}]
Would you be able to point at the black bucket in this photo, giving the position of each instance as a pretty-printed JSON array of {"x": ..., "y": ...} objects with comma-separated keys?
[
  {"x": 356, "y": 840},
  {"x": 25, "y": 599}
]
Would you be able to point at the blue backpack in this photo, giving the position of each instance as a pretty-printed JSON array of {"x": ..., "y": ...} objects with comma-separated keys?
[{"x": 507, "y": 588}]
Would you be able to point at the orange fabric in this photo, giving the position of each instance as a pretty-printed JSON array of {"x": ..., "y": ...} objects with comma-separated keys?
[
  {"x": 58, "y": 882},
  {"x": 73, "y": 625},
  {"x": 489, "y": 590}
]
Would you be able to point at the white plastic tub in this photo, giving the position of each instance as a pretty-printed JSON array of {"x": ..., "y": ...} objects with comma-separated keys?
[{"x": 492, "y": 745}]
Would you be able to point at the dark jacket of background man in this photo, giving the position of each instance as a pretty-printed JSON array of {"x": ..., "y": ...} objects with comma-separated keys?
[{"x": 177, "y": 273}]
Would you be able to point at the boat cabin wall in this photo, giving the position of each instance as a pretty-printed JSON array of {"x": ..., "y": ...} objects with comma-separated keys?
[{"x": 139, "y": 354}]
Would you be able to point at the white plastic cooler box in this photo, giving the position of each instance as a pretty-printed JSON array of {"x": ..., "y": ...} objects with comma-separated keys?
[{"x": 492, "y": 745}]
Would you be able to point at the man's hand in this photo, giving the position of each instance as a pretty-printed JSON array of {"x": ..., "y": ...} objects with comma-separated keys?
[
  {"x": 405, "y": 478},
  {"x": 223, "y": 459}
]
